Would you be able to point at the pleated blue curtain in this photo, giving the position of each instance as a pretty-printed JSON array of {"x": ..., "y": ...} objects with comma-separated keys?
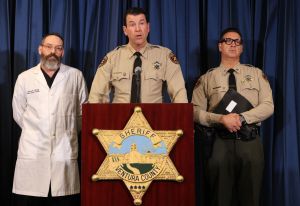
[
  {"x": 191, "y": 29},
  {"x": 281, "y": 60},
  {"x": 6, "y": 137}
]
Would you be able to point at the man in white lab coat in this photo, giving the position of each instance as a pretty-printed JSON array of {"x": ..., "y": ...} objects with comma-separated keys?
[{"x": 47, "y": 106}]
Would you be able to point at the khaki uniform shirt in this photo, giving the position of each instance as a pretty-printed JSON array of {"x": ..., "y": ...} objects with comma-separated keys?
[
  {"x": 250, "y": 82},
  {"x": 158, "y": 64}
]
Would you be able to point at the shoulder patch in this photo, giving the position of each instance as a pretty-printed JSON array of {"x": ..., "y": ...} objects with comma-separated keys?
[
  {"x": 197, "y": 83},
  {"x": 265, "y": 76},
  {"x": 103, "y": 62},
  {"x": 173, "y": 58},
  {"x": 200, "y": 80}
]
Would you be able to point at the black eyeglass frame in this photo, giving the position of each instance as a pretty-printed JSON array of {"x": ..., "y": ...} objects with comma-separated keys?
[{"x": 229, "y": 41}]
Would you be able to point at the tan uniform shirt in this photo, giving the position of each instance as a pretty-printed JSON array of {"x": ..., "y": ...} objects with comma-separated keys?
[
  {"x": 158, "y": 64},
  {"x": 250, "y": 82}
]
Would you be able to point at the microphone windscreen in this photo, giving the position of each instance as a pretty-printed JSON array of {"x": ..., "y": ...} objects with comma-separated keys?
[{"x": 137, "y": 69}]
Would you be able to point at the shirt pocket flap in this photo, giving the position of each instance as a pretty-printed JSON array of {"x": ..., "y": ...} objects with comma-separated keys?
[
  {"x": 152, "y": 75},
  {"x": 218, "y": 88},
  {"x": 120, "y": 75},
  {"x": 253, "y": 85}
]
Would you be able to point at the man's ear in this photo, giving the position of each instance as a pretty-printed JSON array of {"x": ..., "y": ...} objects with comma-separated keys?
[
  {"x": 125, "y": 30},
  {"x": 219, "y": 45},
  {"x": 40, "y": 49}
]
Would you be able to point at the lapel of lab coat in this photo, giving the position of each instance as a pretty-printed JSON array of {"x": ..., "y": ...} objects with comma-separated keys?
[
  {"x": 40, "y": 76},
  {"x": 60, "y": 75}
]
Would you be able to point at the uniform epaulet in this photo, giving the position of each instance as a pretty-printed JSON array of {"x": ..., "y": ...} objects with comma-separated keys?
[
  {"x": 154, "y": 46},
  {"x": 248, "y": 65},
  {"x": 210, "y": 70},
  {"x": 120, "y": 47}
]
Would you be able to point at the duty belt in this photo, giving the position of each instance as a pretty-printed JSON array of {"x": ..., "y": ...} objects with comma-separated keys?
[{"x": 246, "y": 133}]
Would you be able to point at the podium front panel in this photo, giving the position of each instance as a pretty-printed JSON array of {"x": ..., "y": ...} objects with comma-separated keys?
[{"x": 115, "y": 117}]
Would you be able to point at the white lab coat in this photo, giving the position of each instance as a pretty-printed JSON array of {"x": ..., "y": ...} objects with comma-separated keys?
[{"x": 50, "y": 119}]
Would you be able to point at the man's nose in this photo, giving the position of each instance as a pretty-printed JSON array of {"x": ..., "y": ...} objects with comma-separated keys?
[
  {"x": 137, "y": 28},
  {"x": 52, "y": 50}
]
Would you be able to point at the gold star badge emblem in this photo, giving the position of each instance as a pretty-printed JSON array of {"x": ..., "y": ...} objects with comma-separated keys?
[{"x": 137, "y": 155}]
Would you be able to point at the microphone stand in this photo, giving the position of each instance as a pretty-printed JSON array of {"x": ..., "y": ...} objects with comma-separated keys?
[{"x": 137, "y": 74}]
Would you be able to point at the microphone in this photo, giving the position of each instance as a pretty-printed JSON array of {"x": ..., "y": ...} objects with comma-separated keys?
[{"x": 137, "y": 73}]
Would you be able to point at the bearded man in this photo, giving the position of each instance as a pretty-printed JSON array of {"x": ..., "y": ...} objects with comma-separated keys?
[{"x": 46, "y": 105}]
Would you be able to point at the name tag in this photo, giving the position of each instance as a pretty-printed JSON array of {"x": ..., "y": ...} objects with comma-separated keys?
[
  {"x": 231, "y": 106},
  {"x": 33, "y": 91}
]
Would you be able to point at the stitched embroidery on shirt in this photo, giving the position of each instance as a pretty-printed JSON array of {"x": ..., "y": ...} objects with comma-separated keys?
[
  {"x": 197, "y": 83},
  {"x": 247, "y": 78},
  {"x": 156, "y": 65},
  {"x": 173, "y": 58},
  {"x": 104, "y": 60},
  {"x": 265, "y": 77},
  {"x": 33, "y": 91}
]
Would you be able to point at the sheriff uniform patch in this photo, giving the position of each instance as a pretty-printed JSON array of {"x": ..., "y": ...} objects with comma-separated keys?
[
  {"x": 173, "y": 58},
  {"x": 104, "y": 60},
  {"x": 198, "y": 82},
  {"x": 265, "y": 77}
]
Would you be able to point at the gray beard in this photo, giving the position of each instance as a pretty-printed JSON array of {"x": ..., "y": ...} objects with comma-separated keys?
[{"x": 50, "y": 64}]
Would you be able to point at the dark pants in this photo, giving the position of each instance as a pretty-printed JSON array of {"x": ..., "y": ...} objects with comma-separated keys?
[
  {"x": 234, "y": 172},
  {"x": 24, "y": 200}
]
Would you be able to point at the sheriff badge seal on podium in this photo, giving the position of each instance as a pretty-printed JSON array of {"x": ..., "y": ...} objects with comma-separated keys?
[{"x": 137, "y": 155}]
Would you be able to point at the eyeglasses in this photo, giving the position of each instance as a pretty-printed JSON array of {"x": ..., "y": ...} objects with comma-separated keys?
[
  {"x": 229, "y": 41},
  {"x": 50, "y": 47}
]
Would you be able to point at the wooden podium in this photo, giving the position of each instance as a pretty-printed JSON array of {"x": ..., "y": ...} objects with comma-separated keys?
[{"x": 115, "y": 117}]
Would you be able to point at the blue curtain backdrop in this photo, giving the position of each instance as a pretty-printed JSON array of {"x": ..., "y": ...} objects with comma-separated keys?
[{"x": 191, "y": 29}]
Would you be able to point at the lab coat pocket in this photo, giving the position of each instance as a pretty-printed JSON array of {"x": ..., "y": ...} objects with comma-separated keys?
[
  {"x": 67, "y": 116},
  {"x": 28, "y": 144},
  {"x": 66, "y": 146},
  {"x": 68, "y": 104}
]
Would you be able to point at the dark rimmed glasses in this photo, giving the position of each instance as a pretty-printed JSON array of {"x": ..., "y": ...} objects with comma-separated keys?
[{"x": 229, "y": 41}]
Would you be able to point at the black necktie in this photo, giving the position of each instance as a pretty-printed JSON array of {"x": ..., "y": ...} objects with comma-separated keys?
[
  {"x": 135, "y": 84},
  {"x": 231, "y": 80}
]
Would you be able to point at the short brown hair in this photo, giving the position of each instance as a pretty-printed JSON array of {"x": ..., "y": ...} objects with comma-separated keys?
[
  {"x": 135, "y": 11},
  {"x": 52, "y": 34},
  {"x": 230, "y": 29}
]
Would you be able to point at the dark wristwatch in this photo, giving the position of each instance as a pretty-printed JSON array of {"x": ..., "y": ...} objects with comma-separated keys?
[{"x": 242, "y": 119}]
